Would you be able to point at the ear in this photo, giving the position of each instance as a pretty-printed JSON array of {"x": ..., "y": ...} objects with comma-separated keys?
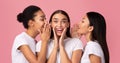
[
  {"x": 31, "y": 23},
  {"x": 91, "y": 28}
]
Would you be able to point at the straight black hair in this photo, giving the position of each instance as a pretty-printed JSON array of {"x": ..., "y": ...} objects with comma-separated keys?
[
  {"x": 99, "y": 31},
  {"x": 64, "y": 13},
  {"x": 27, "y": 14}
]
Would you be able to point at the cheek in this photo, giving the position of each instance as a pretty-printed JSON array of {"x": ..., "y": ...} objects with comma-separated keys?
[
  {"x": 82, "y": 29},
  {"x": 53, "y": 25},
  {"x": 40, "y": 25},
  {"x": 64, "y": 25}
]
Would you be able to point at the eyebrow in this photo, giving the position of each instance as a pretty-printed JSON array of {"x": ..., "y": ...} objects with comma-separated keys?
[
  {"x": 43, "y": 16},
  {"x": 83, "y": 18},
  {"x": 55, "y": 18},
  {"x": 62, "y": 19}
]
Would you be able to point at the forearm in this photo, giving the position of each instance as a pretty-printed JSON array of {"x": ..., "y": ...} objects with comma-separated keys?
[
  {"x": 63, "y": 56},
  {"x": 42, "y": 53},
  {"x": 53, "y": 56}
]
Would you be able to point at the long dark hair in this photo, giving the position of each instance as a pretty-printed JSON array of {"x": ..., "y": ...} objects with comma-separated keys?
[
  {"x": 27, "y": 14},
  {"x": 99, "y": 31},
  {"x": 64, "y": 13}
]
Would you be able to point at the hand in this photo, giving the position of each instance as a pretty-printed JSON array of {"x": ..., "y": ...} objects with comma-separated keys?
[
  {"x": 45, "y": 33},
  {"x": 74, "y": 31},
  {"x": 61, "y": 39},
  {"x": 56, "y": 45}
]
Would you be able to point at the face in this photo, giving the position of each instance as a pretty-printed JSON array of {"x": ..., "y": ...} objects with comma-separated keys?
[
  {"x": 39, "y": 20},
  {"x": 59, "y": 23},
  {"x": 83, "y": 26}
]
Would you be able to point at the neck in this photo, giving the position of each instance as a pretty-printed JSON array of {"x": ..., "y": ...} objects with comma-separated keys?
[
  {"x": 31, "y": 33},
  {"x": 88, "y": 37}
]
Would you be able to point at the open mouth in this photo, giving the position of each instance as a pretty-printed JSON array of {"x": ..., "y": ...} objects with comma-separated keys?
[{"x": 59, "y": 30}]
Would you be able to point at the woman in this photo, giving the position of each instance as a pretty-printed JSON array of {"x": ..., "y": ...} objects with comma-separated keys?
[
  {"x": 62, "y": 48},
  {"x": 93, "y": 26},
  {"x": 23, "y": 50}
]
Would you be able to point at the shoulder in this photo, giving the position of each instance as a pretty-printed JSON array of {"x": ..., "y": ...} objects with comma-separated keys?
[
  {"x": 74, "y": 43},
  {"x": 20, "y": 36},
  {"x": 74, "y": 39},
  {"x": 19, "y": 40},
  {"x": 93, "y": 47},
  {"x": 93, "y": 44}
]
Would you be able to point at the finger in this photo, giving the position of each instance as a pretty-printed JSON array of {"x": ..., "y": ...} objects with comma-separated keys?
[
  {"x": 48, "y": 28},
  {"x": 45, "y": 27},
  {"x": 55, "y": 35},
  {"x": 54, "y": 31},
  {"x": 64, "y": 32},
  {"x": 40, "y": 32}
]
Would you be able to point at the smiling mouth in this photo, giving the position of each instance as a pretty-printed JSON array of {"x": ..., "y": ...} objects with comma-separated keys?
[{"x": 59, "y": 30}]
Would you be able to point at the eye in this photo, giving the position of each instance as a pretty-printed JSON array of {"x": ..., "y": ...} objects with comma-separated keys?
[
  {"x": 64, "y": 21},
  {"x": 55, "y": 21},
  {"x": 42, "y": 19},
  {"x": 82, "y": 21}
]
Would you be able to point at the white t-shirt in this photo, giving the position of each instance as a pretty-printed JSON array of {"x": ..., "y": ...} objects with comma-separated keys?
[
  {"x": 22, "y": 39},
  {"x": 92, "y": 48},
  {"x": 71, "y": 44}
]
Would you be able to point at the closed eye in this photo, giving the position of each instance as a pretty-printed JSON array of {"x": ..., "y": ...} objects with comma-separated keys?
[
  {"x": 82, "y": 21},
  {"x": 55, "y": 21}
]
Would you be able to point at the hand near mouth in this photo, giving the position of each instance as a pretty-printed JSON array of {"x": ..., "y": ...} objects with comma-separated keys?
[
  {"x": 74, "y": 33},
  {"x": 45, "y": 33}
]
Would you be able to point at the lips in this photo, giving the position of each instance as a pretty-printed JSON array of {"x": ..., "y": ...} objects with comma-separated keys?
[{"x": 59, "y": 30}]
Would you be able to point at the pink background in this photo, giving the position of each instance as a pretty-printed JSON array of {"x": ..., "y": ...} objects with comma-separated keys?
[{"x": 76, "y": 9}]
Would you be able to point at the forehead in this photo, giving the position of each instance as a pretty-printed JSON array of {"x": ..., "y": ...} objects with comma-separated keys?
[
  {"x": 59, "y": 16},
  {"x": 40, "y": 13},
  {"x": 85, "y": 17}
]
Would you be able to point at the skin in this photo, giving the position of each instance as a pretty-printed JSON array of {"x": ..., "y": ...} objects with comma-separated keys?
[
  {"x": 59, "y": 25},
  {"x": 37, "y": 26},
  {"x": 84, "y": 28},
  {"x": 74, "y": 31}
]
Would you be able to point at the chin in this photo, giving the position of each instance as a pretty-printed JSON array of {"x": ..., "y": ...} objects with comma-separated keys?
[{"x": 58, "y": 34}]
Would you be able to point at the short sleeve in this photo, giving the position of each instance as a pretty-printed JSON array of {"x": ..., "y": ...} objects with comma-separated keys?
[
  {"x": 19, "y": 42},
  {"x": 77, "y": 44},
  {"x": 94, "y": 49},
  {"x": 38, "y": 46}
]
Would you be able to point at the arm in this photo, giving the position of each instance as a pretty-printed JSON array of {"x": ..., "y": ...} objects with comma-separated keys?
[
  {"x": 45, "y": 36},
  {"x": 94, "y": 58},
  {"x": 42, "y": 53},
  {"x": 64, "y": 58},
  {"x": 53, "y": 56},
  {"x": 76, "y": 56},
  {"x": 63, "y": 55},
  {"x": 29, "y": 55}
]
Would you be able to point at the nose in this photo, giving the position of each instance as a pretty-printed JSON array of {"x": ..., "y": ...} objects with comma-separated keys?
[{"x": 59, "y": 24}]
